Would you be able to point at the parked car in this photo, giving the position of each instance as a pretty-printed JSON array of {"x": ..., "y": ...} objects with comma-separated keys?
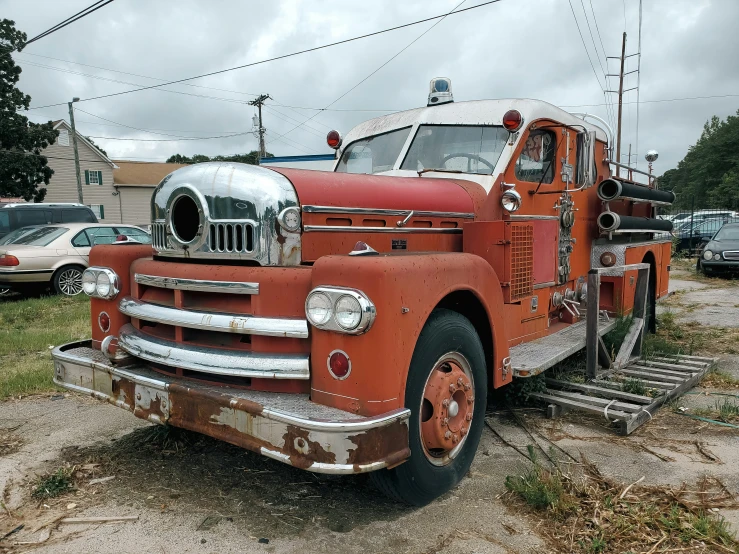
[
  {"x": 721, "y": 253},
  {"x": 57, "y": 255},
  {"x": 699, "y": 234},
  {"x": 14, "y": 215}
]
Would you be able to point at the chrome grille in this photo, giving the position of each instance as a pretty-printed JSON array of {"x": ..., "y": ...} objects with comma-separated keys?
[
  {"x": 159, "y": 235},
  {"x": 732, "y": 255},
  {"x": 231, "y": 237}
]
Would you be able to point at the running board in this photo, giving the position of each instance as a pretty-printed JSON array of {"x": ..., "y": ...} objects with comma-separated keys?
[
  {"x": 664, "y": 376},
  {"x": 531, "y": 358}
]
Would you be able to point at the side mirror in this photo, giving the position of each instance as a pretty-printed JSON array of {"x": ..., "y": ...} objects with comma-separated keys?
[{"x": 586, "y": 168}]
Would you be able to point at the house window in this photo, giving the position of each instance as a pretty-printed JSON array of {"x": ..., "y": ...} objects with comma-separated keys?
[
  {"x": 63, "y": 138},
  {"x": 98, "y": 210},
  {"x": 93, "y": 177}
]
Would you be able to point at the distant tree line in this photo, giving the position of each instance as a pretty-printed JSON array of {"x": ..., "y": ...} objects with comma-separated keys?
[
  {"x": 708, "y": 175},
  {"x": 250, "y": 158}
]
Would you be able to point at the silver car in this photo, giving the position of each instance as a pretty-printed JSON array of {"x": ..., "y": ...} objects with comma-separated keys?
[{"x": 57, "y": 255}]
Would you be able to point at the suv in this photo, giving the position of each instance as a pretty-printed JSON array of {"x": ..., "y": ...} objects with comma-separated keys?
[{"x": 14, "y": 216}]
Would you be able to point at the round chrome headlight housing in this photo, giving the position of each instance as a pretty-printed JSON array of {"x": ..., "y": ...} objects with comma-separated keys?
[
  {"x": 289, "y": 219},
  {"x": 318, "y": 308},
  {"x": 89, "y": 282},
  {"x": 348, "y": 312},
  {"x": 511, "y": 201},
  {"x": 707, "y": 255}
]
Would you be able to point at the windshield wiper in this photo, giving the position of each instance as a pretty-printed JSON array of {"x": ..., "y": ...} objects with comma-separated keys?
[{"x": 427, "y": 169}]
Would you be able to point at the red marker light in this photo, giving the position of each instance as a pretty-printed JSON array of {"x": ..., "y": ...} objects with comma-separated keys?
[
  {"x": 8, "y": 260},
  {"x": 339, "y": 365},
  {"x": 512, "y": 120},
  {"x": 333, "y": 139},
  {"x": 104, "y": 322}
]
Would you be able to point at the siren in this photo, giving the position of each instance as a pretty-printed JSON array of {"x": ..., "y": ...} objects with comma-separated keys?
[{"x": 440, "y": 91}]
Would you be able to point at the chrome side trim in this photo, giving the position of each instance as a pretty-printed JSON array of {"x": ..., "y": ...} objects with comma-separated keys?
[
  {"x": 373, "y": 211},
  {"x": 211, "y": 360},
  {"x": 358, "y": 229},
  {"x": 226, "y": 323},
  {"x": 196, "y": 285},
  {"x": 521, "y": 216},
  {"x": 544, "y": 285}
]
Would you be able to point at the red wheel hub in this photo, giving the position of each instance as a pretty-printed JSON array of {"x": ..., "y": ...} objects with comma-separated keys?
[{"x": 447, "y": 408}]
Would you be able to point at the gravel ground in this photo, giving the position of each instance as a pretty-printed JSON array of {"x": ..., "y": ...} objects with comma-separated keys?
[{"x": 194, "y": 494}]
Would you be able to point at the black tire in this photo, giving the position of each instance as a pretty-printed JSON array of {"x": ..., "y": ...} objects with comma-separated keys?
[
  {"x": 64, "y": 281},
  {"x": 418, "y": 481}
]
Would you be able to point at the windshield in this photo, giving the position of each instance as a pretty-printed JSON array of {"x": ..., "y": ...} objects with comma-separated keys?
[
  {"x": 373, "y": 154},
  {"x": 459, "y": 148},
  {"x": 728, "y": 232},
  {"x": 14, "y": 235},
  {"x": 41, "y": 236}
]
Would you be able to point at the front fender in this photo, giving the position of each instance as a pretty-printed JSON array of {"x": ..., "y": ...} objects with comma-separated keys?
[{"x": 405, "y": 289}]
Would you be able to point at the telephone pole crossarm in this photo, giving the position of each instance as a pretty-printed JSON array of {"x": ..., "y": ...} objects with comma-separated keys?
[{"x": 258, "y": 102}]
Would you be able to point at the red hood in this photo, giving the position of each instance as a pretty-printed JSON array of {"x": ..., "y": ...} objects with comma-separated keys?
[{"x": 323, "y": 188}]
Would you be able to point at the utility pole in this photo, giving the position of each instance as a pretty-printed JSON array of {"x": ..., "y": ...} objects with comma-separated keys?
[
  {"x": 258, "y": 103},
  {"x": 74, "y": 145},
  {"x": 620, "y": 93}
]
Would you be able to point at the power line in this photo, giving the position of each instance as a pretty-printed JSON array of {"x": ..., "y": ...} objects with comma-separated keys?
[
  {"x": 600, "y": 38},
  {"x": 170, "y": 140},
  {"x": 315, "y": 48},
  {"x": 129, "y": 126},
  {"x": 76, "y": 17},
  {"x": 387, "y": 62},
  {"x": 638, "y": 85},
  {"x": 659, "y": 100},
  {"x": 585, "y": 46}
]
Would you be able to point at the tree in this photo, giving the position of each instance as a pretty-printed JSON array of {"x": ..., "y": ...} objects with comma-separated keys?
[
  {"x": 250, "y": 158},
  {"x": 709, "y": 172},
  {"x": 96, "y": 146},
  {"x": 22, "y": 167}
]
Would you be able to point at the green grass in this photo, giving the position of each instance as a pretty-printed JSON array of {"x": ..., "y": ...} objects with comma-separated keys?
[
  {"x": 54, "y": 484},
  {"x": 539, "y": 487},
  {"x": 634, "y": 386},
  {"x": 28, "y": 328}
]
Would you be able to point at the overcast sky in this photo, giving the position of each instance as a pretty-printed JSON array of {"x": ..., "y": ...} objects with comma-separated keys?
[{"x": 513, "y": 48}]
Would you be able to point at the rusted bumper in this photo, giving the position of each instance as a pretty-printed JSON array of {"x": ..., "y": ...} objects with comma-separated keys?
[{"x": 286, "y": 427}]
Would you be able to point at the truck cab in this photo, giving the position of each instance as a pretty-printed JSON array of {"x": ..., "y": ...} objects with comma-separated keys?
[{"x": 355, "y": 320}]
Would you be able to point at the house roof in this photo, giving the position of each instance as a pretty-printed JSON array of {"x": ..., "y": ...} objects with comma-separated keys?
[
  {"x": 142, "y": 173},
  {"x": 60, "y": 122}
]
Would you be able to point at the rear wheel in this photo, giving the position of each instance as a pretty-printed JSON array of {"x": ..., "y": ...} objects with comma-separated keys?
[
  {"x": 68, "y": 280},
  {"x": 445, "y": 391}
]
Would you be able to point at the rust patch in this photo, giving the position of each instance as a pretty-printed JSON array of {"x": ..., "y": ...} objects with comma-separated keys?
[
  {"x": 155, "y": 409},
  {"x": 383, "y": 443},
  {"x": 304, "y": 452},
  {"x": 123, "y": 390},
  {"x": 218, "y": 399}
]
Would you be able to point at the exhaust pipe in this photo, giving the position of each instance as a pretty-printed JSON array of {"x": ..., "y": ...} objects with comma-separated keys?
[
  {"x": 611, "y": 189},
  {"x": 611, "y": 221}
]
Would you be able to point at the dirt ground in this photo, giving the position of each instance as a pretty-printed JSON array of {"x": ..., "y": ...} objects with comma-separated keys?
[{"x": 195, "y": 494}]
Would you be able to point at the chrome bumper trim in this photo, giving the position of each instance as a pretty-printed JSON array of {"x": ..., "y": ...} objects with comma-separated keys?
[
  {"x": 196, "y": 285},
  {"x": 210, "y": 360},
  {"x": 286, "y": 427},
  {"x": 209, "y": 321},
  {"x": 359, "y": 229}
]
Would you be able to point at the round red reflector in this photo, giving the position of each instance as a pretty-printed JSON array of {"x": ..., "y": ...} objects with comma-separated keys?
[
  {"x": 104, "y": 322},
  {"x": 339, "y": 365},
  {"x": 333, "y": 139},
  {"x": 512, "y": 120}
]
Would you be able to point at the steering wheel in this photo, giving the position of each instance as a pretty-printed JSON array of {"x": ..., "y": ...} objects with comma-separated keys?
[{"x": 469, "y": 157}]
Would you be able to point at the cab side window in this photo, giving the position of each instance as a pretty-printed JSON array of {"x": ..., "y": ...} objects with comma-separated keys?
[
  {"x": 81, "y": 240},
  {"x": 536, "y": 162}
]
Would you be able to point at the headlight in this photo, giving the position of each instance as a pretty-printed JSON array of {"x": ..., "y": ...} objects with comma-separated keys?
[
  {"x": 348, "y": 312},
  {"x": 89, "y": 280},
  {"x": 289, "y": 219},
  {"x": 510, "y": 201},
  {"x": 717, "y": 256},
  {"x": 707, "y": 255},
  {"x": 318, "y": 308},
  {"x": 101, "y": 282},
  {"x": 339, "y": 309}
]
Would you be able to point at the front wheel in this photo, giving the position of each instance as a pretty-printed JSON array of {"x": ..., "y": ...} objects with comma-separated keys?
[{"x": 446, "y": 392}]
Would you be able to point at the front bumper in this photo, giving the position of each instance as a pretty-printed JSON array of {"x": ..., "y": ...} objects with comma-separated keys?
[
  {"x": 720, "y": 265},
  {"x": 286, "y": 427}
]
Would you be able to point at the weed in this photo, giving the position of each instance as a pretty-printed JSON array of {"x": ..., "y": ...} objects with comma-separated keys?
[
  {"x": 54, "y": 484},
  {"x": 613, "y": 338},
  {"x": 720, "y": 379},
  {"x": 634, "y": 386},
  {"x": 517, "y": 393},
  {"x": 539, "y": 487},
  {"x": 727, "y": 410}
]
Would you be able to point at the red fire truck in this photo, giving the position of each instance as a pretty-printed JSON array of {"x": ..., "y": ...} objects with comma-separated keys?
[{"x": 354, "y": 321}]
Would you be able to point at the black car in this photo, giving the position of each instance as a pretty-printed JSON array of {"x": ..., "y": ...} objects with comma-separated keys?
[
  {"x": 722, "y": 251},
  {"x": 15, "y": 215}
]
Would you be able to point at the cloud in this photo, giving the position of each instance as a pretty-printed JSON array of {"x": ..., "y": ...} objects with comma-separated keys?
[{"x": 508, "y": 49}]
